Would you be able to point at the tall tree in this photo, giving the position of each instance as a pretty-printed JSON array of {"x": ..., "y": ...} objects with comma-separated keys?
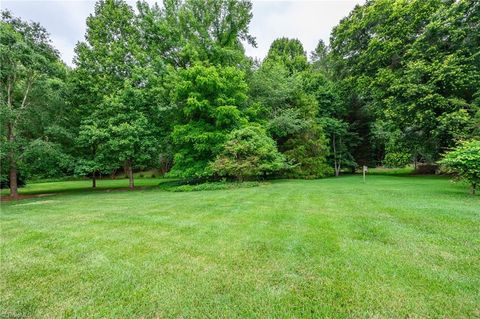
[
  {"x": 118, "y": 83},
  {"x": 288, "y": 110},
  {"x": 189, "y": 31},
  {"x": 27, "y": 59},
  {"x": 413, "y": 66},
  {"x": 209, "y": 102},
  {"x": 289, "y": 53}
]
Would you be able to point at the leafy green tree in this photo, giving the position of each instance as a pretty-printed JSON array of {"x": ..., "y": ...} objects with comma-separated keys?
[
  {"x": 332, "y": 115},
  {"x": 185, "y": 32},
  {"x": 464, "y": 161},
  {"x": 249, "y": 152},
  {"x": 120, "y": 86},
  {"x": 27, "y": 60},
  {"x": 340, "y": 140},
  {"x": 289, "y": 112},
  {"x": 289, "y": 53},
  {"x": 89, "y": 142},
  {"x": 46, "y": 159},
  {"x": 414, "y": 66},
  {"x": 131, "y": 139},
  {"x": 307, "y": 151},
  {"x": 209, "y": 102}
]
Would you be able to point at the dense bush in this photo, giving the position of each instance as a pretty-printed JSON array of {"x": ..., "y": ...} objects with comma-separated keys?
[
  {"x": 397, "y": 159},
  {"x": 465, "y": 162},
  {"x": 249, "y": 152},
  {"x": 46, "y": 159},
  {"x": 5, "y": 180},
  {"x": 210, "y": 186}
]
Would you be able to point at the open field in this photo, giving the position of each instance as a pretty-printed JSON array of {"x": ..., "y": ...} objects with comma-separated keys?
[{"x": 395, "y": 247}]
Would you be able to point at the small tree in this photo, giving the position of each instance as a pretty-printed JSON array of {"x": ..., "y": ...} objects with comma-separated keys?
[
  {"x": 249, "y": 152},
  {"x": 89, "y": 142},
  {"x": 465, "y": 162}
]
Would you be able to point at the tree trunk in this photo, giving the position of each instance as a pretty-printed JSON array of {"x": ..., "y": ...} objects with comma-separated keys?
[
  {"x": 130, "y": 174},
  {"x": 336, "y": 163},
  {"x": 13, "y": 163},
  {"x": 474, "y": 188},
  {"x": 94, "y": 179}
]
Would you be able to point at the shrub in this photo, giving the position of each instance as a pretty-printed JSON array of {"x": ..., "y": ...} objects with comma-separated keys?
[
  {"x": 5, "y": 180},
  {"x": 465, "y": 162},
  {"x": 308, "y": 151},
  {"x": 397, "y": 159},
  {"x": 249, "y": 152},
  {"x": 208, "y": 186},
  {"x": 46, "y": 159}
]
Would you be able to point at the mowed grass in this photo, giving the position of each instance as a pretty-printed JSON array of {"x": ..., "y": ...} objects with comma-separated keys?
[
  {"x": 83, "y": 186},
  {"x": 395, "y": 247}
]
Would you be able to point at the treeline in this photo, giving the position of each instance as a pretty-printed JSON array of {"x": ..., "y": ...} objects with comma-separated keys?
[{"x": 170, "y": 87}]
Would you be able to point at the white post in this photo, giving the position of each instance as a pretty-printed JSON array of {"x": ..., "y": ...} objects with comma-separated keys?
[{"x": 365, "y": 169}]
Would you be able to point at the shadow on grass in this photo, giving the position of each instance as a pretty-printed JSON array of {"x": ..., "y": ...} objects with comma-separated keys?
[{"x": 69, "y": 187}]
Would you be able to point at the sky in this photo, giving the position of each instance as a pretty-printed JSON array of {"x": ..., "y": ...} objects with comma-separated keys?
[{"x": 308, "y": 21}]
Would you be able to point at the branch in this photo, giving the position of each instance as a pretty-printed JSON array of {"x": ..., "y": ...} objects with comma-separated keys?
[{"x": 27, "y": 90}]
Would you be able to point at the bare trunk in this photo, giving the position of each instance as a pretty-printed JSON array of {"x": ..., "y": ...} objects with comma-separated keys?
[
  {"x": 336, "y": 163},
  {"x": 13, "y": 163},
  {"x": 94, "y": 179},
  {"x": 474, "y": 188},
  {"x": 339, "y": 158},
  {"x": 27, "y": 90},
  {"x": 130, "y": 174}
]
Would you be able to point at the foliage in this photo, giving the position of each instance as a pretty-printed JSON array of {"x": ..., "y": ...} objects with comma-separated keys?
[
  {"x": 289, "y": 108},
  {"x": 464, "y": 161},
  {"x": 307, "y": 152},
  {"x": 208, "y": 186},
  {"x": 188, "y": 31},
  {"x": 414, "y": 65},
  {"x": 46, "y": 160},
  {"x": 28, "y": 62},
  {"x": 5, "y": 179},
  {"x": 120, "y": 85},
  {"x": 289, "y": 53},
  {"x": 208, "y": 101},
  {"x": 397, "y": 159},
  {"x": 249, "y": 152},
  {"x": 169, "y": 86}
]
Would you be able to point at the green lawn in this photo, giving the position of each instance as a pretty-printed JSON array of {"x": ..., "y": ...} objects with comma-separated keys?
[{"x": 395, "y": 247}]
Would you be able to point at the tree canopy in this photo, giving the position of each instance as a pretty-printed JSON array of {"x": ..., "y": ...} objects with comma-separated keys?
[{"x": 170, "y": 86}]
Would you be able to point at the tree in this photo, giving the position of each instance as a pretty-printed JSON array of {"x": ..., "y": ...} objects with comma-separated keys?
[
  {"x": 289, "y": 53},
  {"x": 131, "y": 138},
  {"x": 209, "y": 102},
  {"x": 413, "y": 66},
  {"x": 249, "y": 152},
  {"x": 184, "y": 32},
  {"x": 464, "y": 160},
  {"x": 288, "y": 110},
  {"x": 89, "y": 142},
  {"x": 121, "y": 87},
  {"x": 27, "y": 59}
]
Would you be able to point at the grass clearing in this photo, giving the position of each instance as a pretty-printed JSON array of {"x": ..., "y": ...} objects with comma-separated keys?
[{"x": 334, "y": 248}]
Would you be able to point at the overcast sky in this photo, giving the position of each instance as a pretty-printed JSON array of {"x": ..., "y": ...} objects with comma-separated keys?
[{"x": 307, "y": 21}]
